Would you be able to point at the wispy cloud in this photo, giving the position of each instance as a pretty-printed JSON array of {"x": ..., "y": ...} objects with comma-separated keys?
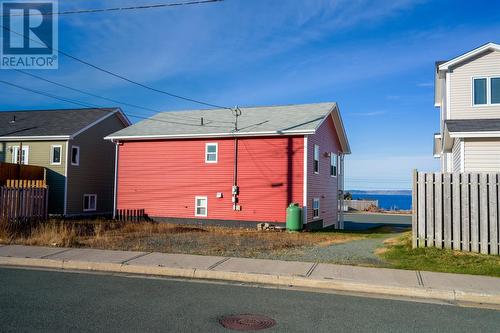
[
  {"x": 425, "y": 84},
  {"x": 367, "y": 114}
]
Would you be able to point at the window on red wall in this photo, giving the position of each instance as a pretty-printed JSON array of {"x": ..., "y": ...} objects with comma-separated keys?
[
  {"x": 333, "y": 164},
  {"x": 316, "y": 159},
  {"x": 315, "y": 208}
]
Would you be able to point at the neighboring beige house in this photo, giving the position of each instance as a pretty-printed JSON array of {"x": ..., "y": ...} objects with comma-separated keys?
[
  {"x": 467, "y": 91},
  {"x": 70, "y": 145}
]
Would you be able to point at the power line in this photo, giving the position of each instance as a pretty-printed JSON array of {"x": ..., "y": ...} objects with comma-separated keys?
[
  {"x": 188, "y": 99},
  {"x": 107, "y": 98},
  {"x": 88, "y": 105},
  {"x": 116, "y": 9}
]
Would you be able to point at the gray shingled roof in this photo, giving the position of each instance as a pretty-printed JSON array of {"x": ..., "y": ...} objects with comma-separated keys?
[
  {"x": 269, "y": 119},
  {"x": 473, "y": 125},
  {"x": 62, "y": 122}
]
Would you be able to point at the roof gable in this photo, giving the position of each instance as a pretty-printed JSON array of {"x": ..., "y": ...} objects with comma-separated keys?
[
  {"x": 490, "y": 47},
  {"x": 62, "y": 123}
]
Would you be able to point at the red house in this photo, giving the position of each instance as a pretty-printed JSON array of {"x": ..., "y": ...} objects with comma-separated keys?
[{"x": 197, "y": 165}]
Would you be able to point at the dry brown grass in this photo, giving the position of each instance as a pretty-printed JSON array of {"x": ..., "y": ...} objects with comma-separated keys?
[{"x": 171, "y": 238}]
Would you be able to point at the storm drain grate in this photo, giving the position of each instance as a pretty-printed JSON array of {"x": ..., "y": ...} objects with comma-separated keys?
[{"x": 247, "y": 322}]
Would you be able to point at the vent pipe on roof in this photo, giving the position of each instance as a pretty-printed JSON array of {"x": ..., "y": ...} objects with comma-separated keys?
[
  {"x": 201, "y": 123},
  {"x": 13, "y": 120}
]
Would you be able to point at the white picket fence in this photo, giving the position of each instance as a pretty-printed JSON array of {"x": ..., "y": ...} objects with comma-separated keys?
[{"x": 457, "y": 211}]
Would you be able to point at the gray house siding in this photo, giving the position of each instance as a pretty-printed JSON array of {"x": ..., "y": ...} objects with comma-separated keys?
[
  {"x": 40, "y": 154},
  {"x": 95, "y": 172}
]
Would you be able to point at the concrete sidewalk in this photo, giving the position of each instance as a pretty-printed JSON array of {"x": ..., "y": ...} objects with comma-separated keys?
[{"x": 416, "y": 284}]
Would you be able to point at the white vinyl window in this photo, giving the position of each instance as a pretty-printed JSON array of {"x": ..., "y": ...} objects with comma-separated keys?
[
  {"x": 24, "y": 155},
  {"x": 89, "y": 202},
  {"x": 201, "y": 206},
  {"x": 211, "y": 150},
  {"x": 316, "y": 208},
  {"x": 55, "y": 154},
  {"x": 333, "y": 164},
  {"x": 485, "y": 91},
  {"x": 316, "y": 159},
  {"x": 75, "y": 155}
]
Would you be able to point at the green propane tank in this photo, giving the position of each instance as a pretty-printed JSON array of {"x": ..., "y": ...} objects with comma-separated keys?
[{"x": 294, "y": 217}]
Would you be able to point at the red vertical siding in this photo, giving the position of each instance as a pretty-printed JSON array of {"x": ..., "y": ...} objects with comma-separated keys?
[
  {"x": 323, "y": 185},
  {"x": 163, "y": 177}
]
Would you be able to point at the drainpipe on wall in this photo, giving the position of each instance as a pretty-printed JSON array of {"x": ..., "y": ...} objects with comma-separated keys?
[{"x": 115, "y": 187}]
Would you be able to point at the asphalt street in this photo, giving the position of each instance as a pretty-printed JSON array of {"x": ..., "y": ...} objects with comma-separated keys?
[{"x": 35, "y": 300}]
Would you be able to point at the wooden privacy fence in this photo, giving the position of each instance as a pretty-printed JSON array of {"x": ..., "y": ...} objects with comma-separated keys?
[
  {"x": 20, "y": 171},
  {"x": 360, "y": 204},
  {"x": 23, "y": 205},
  {"x": 24, "y": 183},
  {"x": 457, "y": 211}
]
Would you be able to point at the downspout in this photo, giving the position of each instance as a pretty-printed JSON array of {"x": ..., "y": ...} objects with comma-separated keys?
[
  {"x": 235, "y": 189},
  {"x": 115, "y": 187}
]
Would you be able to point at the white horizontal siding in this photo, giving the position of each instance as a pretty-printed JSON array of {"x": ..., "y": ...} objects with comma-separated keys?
[
  {"x": 461, "y": 107},
  {"x": 482, "y": 155},
  {"x": 457, "y": 156}
]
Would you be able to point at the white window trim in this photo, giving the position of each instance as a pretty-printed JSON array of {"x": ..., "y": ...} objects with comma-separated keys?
[
  {"x": 77, "y": 155},
  {"x": 319, "y": 208},
  {"x": 216, "y": 152},
  {"x": 314, "y": 158},
  {"x": 196, "y": 206},
  {"x": 488, "y": 91},
  {"x": 15, "y": 160},
  {"x": 52, "y": 155},
  {"x": 95, "y": 201},
  {"x": 336, "y": 159}
]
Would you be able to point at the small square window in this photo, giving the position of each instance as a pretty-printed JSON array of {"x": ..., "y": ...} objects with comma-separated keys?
[
  {"x": 89, "y": 202},
  {"x": 211, "y": 152},
  {"x": 201, "y": 204},
  {"x": 75, "y": 155},
  {"x": 480, "y": 91},
  {"x": 56, "y": 155},
  {"x": 316, "y": 159},
  {"x": 315, "y": 208}
]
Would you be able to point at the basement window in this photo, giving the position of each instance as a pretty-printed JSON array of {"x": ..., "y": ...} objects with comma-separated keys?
[
  {"x": 316, "y": 159},
  {"x": 89, "y": 202},
  {"x": 211, "y": 152},
  {"x": 316, "y": 208},
  {"x": 56, "y": 154},
  {"x": 201, "y": 204},
  {"x": 333, "y": 164},
  {"x": 75, "y": 155}
]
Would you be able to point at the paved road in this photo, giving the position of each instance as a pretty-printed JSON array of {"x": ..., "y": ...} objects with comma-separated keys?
[{"x": 32, "y": 300}]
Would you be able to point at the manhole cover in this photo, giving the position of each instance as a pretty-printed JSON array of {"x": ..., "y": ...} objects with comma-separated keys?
[{"x": 247, "y": 322}]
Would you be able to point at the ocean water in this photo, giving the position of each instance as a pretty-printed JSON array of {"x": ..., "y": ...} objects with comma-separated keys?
[{"x": 387, "y": 201}]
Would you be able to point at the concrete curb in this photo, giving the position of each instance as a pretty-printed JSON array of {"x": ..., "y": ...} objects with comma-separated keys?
[{"x": 269, "y": 279}]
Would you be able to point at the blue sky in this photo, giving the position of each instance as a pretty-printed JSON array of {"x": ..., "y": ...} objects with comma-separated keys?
[{"x": 375, "y": 58}]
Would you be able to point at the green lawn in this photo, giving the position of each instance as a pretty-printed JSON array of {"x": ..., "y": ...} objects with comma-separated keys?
[{"x": 400, "y": 254}]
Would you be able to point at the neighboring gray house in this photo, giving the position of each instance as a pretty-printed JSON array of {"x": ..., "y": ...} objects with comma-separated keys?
[
  {"x": 70, "y": 145},
  {"x": 467, "y": 91}
]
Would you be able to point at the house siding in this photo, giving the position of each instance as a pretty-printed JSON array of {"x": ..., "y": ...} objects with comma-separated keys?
[
  {"x": 482, "y": 155},
  {"x": 164, "y": 177},
  {"x": 323, "y": 185},
  {"x": 95, "y": 172},
  {"x": 485, "y": 65},
  {"x": 40, "y": 154},
  {"x": 457, "y": 156}
]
